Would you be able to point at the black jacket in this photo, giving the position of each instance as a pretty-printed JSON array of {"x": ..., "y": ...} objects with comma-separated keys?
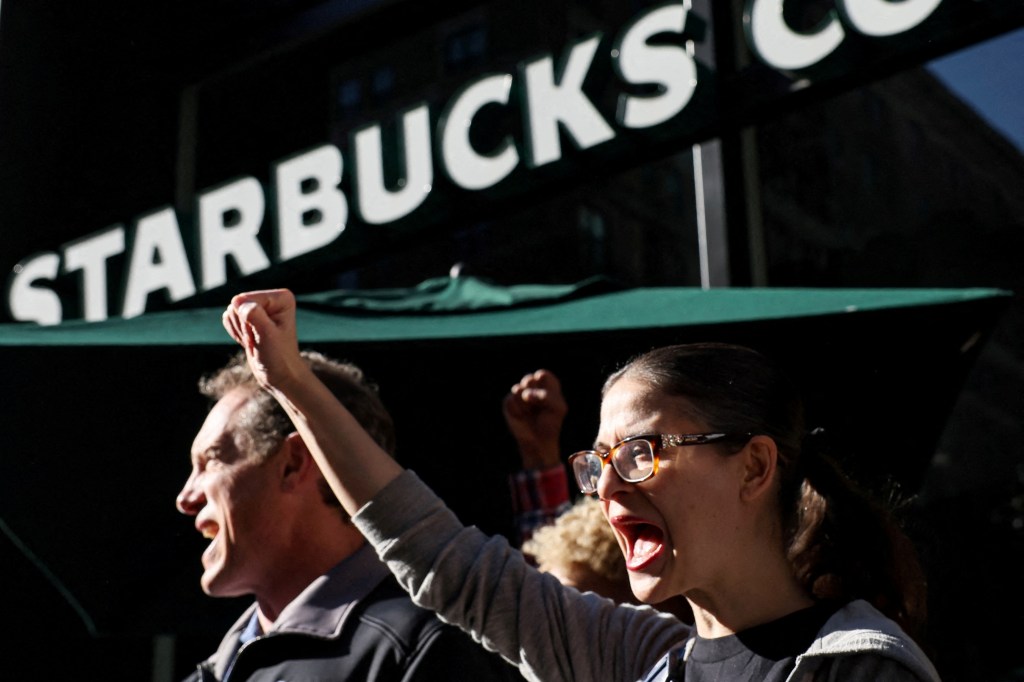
[{"x": 355, "y": 623}]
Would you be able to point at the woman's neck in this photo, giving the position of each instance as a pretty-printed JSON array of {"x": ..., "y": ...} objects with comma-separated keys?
[{"x": 760, "y": 596}]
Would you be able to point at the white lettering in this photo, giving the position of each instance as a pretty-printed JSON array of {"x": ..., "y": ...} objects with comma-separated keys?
[
  {"x": 651, "y": 55},
  {"x": 30, "y": 303},
  {"x": 158, "y": 261},
  {"x": 90, "y": 256},
  {"x": 311, "y": 210},
  {"x": 550, "y": 104},
  {"x": 779, "y": 46},
  {"x": 377, "y": 204},
  {"x": 669, "y": 67},
  {"x": 886, "y": 18},
  {"x": 466, "y": 167},
  {"x": 229, "y": 220}
]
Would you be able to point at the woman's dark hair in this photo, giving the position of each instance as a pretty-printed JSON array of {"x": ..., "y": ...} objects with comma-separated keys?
[{"x": 841, "y": 544}]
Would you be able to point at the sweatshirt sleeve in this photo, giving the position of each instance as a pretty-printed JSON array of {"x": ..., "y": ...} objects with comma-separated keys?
[{"x": 487, "y": 588}]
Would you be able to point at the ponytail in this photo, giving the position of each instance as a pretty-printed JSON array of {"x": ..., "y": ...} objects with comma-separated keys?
[{"x": 844, "y": 545}]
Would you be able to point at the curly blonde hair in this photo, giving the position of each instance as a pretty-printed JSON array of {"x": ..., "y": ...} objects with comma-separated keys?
[{"x": 580, "y": 536}]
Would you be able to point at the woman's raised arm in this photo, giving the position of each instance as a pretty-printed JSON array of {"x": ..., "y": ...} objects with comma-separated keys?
[{"x": 263, "y": 323}]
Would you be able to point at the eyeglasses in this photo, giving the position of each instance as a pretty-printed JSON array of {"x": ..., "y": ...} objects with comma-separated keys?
[{"x": 635, "y": 459}]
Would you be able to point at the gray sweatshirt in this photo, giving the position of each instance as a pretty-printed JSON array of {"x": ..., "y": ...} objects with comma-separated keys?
[{"x": 555, "y": 633}]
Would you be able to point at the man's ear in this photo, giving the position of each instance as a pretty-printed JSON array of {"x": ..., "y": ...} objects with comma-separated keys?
[
  {"x": 760, "y": 460},
  {"x": 297, "y": 465}
]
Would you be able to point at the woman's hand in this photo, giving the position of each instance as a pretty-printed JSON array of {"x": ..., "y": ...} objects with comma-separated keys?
[{"x": 263, "y": 323}]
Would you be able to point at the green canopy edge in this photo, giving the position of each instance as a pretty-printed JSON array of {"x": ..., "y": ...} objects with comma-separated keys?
[{"x": 468, "y": 308}]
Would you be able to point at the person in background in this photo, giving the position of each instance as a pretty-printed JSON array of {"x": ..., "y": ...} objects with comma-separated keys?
[
  {"x": 580, "y": 550},
  {"x": 703, "y": 468},
  {"x": 325, "y": 606}
]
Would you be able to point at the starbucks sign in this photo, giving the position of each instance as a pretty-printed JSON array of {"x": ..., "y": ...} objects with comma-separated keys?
[{"x": 302, "y": 207}]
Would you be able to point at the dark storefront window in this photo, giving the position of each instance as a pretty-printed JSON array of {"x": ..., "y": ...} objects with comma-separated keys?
[
  {"x": 599, "y": 229},
  {"x": 465, "y": 48}
]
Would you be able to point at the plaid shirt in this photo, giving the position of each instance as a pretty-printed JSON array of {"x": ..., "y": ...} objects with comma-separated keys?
[{"x": 539, "y": 496}]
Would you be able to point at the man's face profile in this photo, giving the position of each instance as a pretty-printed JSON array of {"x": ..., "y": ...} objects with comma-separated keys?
[{"x": 231, "y": 494}]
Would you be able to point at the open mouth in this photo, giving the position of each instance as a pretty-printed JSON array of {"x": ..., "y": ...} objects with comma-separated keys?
[
  {"x": 644, "y": 542},
  {"x": 210, "y": 531}
]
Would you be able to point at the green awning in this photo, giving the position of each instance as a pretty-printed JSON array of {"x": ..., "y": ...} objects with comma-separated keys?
[{"x": 466, "y": 307}]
